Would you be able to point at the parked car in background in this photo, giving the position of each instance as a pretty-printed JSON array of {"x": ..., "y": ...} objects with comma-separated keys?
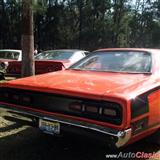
[
  {"x": 112, "y": 95},
  {"x": 49, "y": 61},
  {"x": 8, "y": 55}
]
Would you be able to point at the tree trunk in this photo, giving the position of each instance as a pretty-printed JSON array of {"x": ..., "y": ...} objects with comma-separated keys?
[
  {"x": 3, "y": 21},
  {"x": 28, "y": 67},
  {"x": 80, "y": 5}
]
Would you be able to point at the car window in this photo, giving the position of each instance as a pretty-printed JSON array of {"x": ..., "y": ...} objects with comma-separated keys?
[
  {"x": 116, "y": 61},
  {"x": 9, "y": 55},
  {"x": 54, "y": 55}
]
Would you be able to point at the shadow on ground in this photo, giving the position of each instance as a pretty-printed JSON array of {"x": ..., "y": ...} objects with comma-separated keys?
[{"x": 31, "y": 144}]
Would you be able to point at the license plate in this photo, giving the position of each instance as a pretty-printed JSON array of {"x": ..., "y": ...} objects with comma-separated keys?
[{"x": 49, "y": 126}]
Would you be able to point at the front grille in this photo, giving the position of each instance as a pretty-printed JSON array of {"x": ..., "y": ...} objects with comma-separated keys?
[{"x": 59, "y": 104}]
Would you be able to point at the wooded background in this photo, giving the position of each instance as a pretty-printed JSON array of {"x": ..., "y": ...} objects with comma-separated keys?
[{"x": 85, "y": 24}]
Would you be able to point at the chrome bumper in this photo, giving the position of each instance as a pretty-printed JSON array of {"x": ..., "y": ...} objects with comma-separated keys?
[{"x": 122, "y": 137}]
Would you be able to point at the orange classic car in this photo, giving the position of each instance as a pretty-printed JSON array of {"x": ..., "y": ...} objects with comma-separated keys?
[{"x": 112, "y": 94}]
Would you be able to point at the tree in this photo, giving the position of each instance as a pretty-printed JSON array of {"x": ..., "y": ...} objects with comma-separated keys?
[
  {"x": 28, "y": 67},
  {"x": 85, "y": 24}
]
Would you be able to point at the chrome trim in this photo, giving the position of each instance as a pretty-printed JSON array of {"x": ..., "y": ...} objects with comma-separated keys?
[{"x": 122, "y": 136}]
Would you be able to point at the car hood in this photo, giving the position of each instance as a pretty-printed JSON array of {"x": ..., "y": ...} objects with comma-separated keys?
[{"x": 84, "y": 83}]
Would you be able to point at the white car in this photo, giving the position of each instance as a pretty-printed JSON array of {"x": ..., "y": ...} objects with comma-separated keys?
[
  {"x": 7, "y": 55},
  {"x": 10, "y": 54},
  {"x": 66, "y": 56}
]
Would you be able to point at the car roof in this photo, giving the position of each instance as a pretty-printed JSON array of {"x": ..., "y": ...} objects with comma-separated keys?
[
  {"x": 130, "y": 49},
  {"x": 68, "y": 50},
  {"x": 13, "y": 50}
]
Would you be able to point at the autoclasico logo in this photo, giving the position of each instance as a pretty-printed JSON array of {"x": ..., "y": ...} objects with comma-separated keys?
[{"x": 134, "y": 155}]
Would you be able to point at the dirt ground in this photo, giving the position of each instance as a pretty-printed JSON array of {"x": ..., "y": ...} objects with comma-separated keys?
[{"x": 19, "y": 142}]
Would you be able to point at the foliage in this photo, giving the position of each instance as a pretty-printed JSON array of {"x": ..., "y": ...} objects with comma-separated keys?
[{"x": 86, "y": 24}]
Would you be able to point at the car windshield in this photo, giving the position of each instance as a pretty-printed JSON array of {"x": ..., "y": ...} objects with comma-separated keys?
[
  {"x": 116, "y": 61},
  {"x": 54, "y": 55},
  {"x": 9, "y": 55}
]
